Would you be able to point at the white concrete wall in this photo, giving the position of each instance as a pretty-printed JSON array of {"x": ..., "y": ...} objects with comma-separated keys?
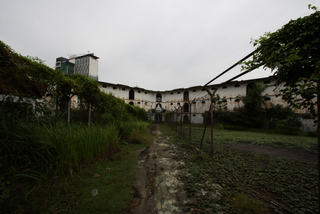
[{"x": 198, "y": 97}]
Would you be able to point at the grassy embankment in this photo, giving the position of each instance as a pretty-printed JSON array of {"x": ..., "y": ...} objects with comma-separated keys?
[
  {"x": 54, "y": 169},
  {"x": 251, "y": 183}
]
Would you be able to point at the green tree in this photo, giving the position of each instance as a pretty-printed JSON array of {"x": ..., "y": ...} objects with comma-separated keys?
[
  {"x": 23, "y": 80},
  {"x": 25, "y": 76},
  {"x": 254, "y": 99},
  {"x": 252, "y": 110},
  {"x": 293, "y": 53}
]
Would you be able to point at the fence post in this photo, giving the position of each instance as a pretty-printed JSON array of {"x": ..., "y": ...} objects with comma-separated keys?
[
  {"x": 89, "y": 119},
  {"x": 180, "y": 119},
  {"x": 211, "y": 125},
  {"x": 211, "y": 112},
  {"x": 176, "y": 119},
  {"x": 205, "y": 128},
  {"x": 69, "y": 103},
  {"x": 189, "y": 122},
  {"x": 190, "y": 104}
]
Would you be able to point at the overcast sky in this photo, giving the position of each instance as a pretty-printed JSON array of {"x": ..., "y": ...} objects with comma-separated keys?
[{"x": 152, "y": 44}]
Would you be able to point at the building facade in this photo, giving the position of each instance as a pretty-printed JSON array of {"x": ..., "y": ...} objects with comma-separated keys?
[
  {"x": 191, "y": 103},
  {"x": 86, "y": 65}
]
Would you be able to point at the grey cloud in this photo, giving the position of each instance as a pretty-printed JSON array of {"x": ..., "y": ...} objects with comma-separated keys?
[{"x": 157, "y": 45}]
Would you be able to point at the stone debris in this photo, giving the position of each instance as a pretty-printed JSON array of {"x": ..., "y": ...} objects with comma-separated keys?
[
  {"x": 95, "y": 175},
  {"x": 94, "y": 192}
]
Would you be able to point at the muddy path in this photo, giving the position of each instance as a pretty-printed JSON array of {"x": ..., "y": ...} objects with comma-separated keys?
[{"x": 157, "y": 185}]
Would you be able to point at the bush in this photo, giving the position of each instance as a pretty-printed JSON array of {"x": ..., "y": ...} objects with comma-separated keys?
[
  {"x": 282, "y": 119},
  {"x": 134, "y": 132}
]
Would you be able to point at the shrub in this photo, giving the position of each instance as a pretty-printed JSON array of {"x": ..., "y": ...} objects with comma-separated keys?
[{"x": 134, "y": 132}]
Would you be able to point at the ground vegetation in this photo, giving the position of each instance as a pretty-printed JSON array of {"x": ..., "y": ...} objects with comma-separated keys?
[
  {"x": 247, "y": 181},
  {"x": 41, "y": 146}
]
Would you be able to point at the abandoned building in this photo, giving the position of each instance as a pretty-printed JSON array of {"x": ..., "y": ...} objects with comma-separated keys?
[
  {"x": 191, "y": 103},
  {"x": 194, "y": 101}
]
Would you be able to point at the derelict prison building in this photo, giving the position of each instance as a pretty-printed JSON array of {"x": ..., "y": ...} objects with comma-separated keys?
[{"x": 192, "y": 102}]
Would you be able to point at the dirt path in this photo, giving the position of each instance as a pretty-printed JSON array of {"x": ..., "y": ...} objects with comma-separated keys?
[{"x": 156, "y": 179}]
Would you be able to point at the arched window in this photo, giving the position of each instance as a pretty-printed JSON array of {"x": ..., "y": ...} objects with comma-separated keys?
[
  {"x": 186, "y": 107},
  {"x": 186, "y": 96},
  {"x": 131, "y": 103},
  {"x": 131, "y": 94},
  {"x": 159, "y": 98}
]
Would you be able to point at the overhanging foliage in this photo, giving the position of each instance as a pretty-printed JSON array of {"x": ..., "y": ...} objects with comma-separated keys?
[{"x": 293, "y": 53}]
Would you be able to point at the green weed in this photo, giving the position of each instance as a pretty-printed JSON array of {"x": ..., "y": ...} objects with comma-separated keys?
[
  {"x": 247, "y": 205},
  {"x": 65, "y": 160},
  {"x": 283, "y": 185},
  {"x": 137, "y": 132}
]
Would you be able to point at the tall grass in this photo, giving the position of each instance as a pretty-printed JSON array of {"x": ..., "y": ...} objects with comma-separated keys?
[
  {"x": 37, "y": 161},
  {"x": 39, "y": 151},
  {"x": 134, "y": 132}
]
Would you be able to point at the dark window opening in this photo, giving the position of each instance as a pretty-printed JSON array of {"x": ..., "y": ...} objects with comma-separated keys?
[
  {"x": 249, "y": 87},
  {"x": 158, "y": 98},
  {"x": 186, "y": 107},
  {"x": 266, "y": 82},
  {"x": 224, "y": 87},
  {"x": 267, "y": 98},
  {"x": 171, "y": 92},
  {"x": 194, "y": 90},
  {"x": 139, "y": 91},
  {"x": 146, "y": 92},
  {"x": 114, "y": 88},
  {"x": 158, "y": 118},
  {"x": 131, "y": 103},
  {"x": 171, "y": 103},
  {"x": 237, "y": 86},
  {"x": 138, "y": 102},
  {"x": 203, "y": 101},
  {"x": 186, "y": 96},
  {"x": 104, "y": 86},
  {"x": 178, "y": 92},
  {"x": 123, "y": 89},
  {"x": 213, "y": 88},
  {"x": 131, "y": 94}
]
